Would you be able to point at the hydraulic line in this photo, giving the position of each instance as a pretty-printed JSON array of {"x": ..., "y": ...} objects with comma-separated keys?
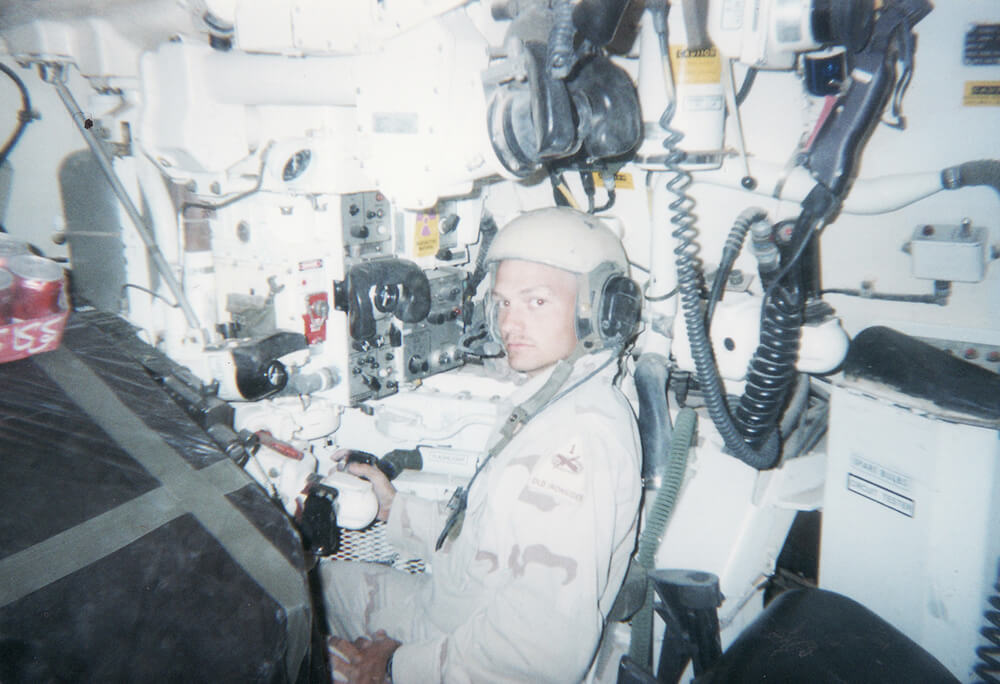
[
  {"x": 58, "y": 80},
  {"x": 640, "y": 648}
]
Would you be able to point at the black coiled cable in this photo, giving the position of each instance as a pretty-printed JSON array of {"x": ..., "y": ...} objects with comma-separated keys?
[
  {"x": 772, "y": 368},
  {"x": 689, "y": 289},
  {"x": 989, "y": 669}
]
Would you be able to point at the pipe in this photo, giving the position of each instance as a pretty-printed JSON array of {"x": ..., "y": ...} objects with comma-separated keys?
[
  {"x": 57, "y": 77},
  {"x": 640, "y": 649}
]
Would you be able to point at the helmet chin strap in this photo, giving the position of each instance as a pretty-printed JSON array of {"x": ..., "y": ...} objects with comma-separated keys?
[{"x": 546, "y": 395}]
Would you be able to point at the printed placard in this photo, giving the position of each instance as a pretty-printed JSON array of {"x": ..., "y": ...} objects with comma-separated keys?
[{"x": 881, "y": 484}]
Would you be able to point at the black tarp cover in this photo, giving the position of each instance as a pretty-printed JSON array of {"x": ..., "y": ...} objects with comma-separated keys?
[{"x": 131, "y": 548}]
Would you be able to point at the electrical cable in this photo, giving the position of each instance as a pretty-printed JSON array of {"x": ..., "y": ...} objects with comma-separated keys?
[
  {"x": 659, "y": 298},
  {"x": 172, "y": 305},
  {"x": 940, "y": 296},
  {"x": 24, "y": 116},
  {"x": 744, "y": 90},
  {"x": 560, "y": 191},
  {"x": 587, "y": 181},
  {"x": 612, "y": 196}
]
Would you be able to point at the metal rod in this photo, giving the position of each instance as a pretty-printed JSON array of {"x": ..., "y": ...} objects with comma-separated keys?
[{"x": 58, "y": 81}]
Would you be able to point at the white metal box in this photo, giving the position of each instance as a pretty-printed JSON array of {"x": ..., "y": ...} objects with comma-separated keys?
[
  {"x": 949, "y": 253},
  {"x": 911, "y": 519}
]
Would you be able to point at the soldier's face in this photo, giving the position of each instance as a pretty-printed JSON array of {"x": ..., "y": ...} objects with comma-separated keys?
[{"x": 536, "y": 310}]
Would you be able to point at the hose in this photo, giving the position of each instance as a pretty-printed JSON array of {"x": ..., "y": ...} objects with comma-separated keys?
[
  {"x": 731, "y": 250},
  {"x": 981, "y": 172},
  {"x": 989, "y": 668},
  {"x": 652, "y": 373},
  {"x": 640, "y": 648}
]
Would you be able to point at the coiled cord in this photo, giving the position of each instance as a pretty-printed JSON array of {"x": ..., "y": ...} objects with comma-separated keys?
[
  {"x": 689, "y": 287},
  {"x": 772, "y": 368},
  {"x": 989, "y": 668}
]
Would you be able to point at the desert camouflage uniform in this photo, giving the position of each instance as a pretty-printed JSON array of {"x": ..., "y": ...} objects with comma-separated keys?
[{"x": 521, "y": 594}]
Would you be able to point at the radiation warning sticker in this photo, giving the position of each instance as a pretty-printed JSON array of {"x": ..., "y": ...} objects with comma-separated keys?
[
  {"x": 561, "y": 475},
  {"x": 981, "y": 94},
  {"x": 425, "y": 235}
]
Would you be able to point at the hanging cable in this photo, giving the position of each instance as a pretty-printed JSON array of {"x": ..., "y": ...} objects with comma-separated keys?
[
  {"x": 24, "y": 117},
  {"x": 561, "y": 192}
]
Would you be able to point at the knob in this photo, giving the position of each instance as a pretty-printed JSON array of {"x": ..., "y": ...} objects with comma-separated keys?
[{"x": 418, "y": 364}]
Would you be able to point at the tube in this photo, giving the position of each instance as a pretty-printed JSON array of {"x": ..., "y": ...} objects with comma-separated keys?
[
  {"x": 640, "y": 649},
  {"x": 652, "y": 374},
  {"x": 982, "y": 172}
]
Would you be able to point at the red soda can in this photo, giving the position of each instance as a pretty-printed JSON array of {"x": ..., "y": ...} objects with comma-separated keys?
[
  {"x": 39, "y": 288},
  {"x": 9, "y": 247},
  {"x": 6, "y": 295}
]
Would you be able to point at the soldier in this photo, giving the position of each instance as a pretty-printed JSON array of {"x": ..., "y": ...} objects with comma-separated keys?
[{"x": 527, "y": 560}]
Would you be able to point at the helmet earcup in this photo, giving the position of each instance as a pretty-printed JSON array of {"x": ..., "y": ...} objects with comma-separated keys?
[{"x": 618, "y": 310}]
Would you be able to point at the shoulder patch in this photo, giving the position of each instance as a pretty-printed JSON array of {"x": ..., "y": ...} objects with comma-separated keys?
[{"x": 561, "y": 475}]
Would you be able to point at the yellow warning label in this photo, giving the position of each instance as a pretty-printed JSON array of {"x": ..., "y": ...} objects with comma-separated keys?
[
  {"x": 981, "y": 93},
  {"x": 623, "y": 181},
  {"x": 695, "y": 66},
  {"x": 425, "y": 235}
]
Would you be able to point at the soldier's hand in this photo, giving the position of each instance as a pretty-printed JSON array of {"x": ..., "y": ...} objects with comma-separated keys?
[{"x": 384, "y": 491}]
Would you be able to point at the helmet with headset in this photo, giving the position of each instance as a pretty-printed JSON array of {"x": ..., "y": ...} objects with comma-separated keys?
[{"x": 608, "y": 302}]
